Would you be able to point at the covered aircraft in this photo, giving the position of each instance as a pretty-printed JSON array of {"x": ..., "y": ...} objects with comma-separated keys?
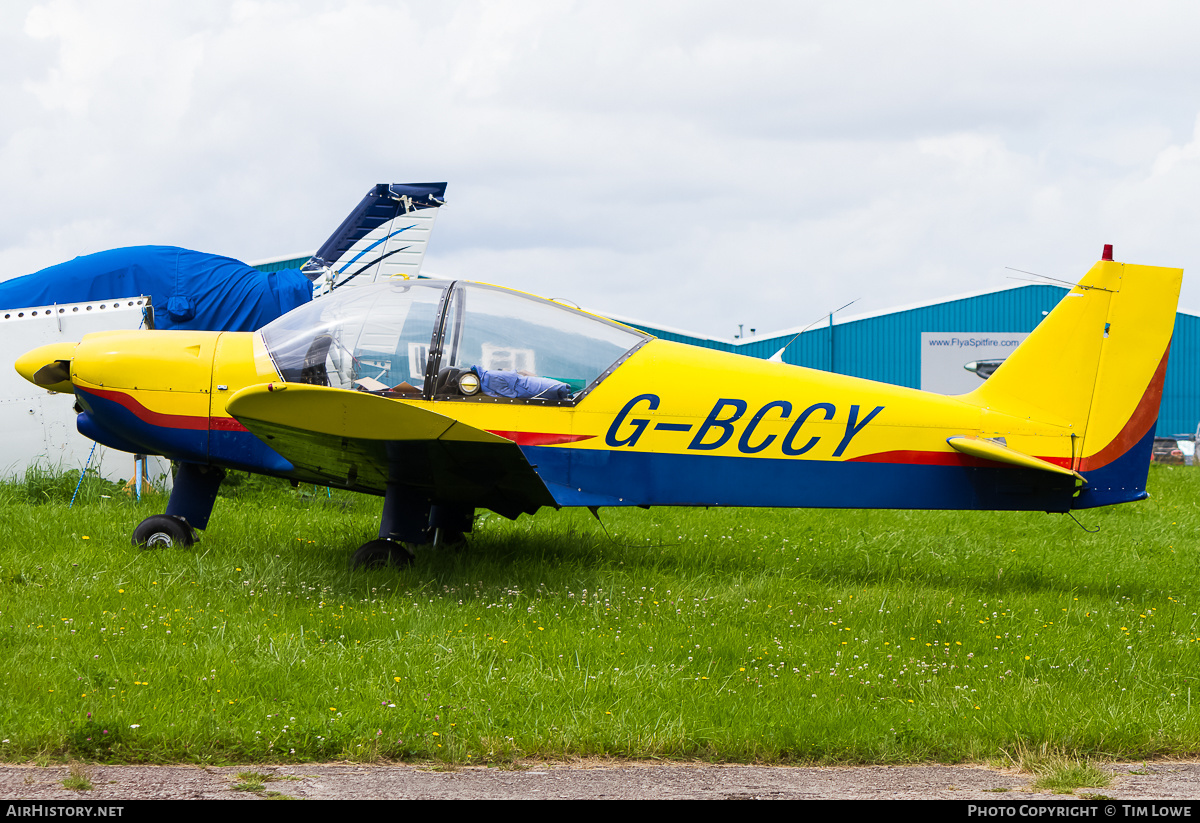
[
  {"x": 186, "y": 289},
  {"x": 448, "y": 396},
  {"x": 383, "y": 236}
]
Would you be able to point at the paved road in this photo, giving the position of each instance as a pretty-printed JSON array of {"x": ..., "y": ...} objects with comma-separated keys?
[{"x": 595, "y": 780}]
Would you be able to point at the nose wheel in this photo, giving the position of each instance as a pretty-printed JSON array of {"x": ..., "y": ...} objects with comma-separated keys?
[{"x": 164, "y": 531}]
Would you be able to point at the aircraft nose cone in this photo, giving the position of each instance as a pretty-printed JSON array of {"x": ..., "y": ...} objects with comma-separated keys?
[{"x": 48, "y": 367}]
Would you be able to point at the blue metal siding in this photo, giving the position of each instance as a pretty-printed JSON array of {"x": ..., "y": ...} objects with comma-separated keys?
[
  {"x": 1181, "y": 390},
  {"x": 280, "y": 265},
  {"x": 675, "y": 337}
]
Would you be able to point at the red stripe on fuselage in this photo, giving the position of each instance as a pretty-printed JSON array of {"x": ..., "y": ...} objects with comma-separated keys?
[
  {"x": 922, "y": 458},
  {"x": 541, "y": 438},
  {"x": 225, "y": 424},
  {"x": 168, "y": 421},
  {"x": 1143, "y": 418}
]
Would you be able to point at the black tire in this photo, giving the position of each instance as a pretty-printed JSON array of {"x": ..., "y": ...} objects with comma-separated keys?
[
  {"x": 381, "y": 554},
  {"x": 163, "y": 531},
  {"x": 450, "y": 540}
]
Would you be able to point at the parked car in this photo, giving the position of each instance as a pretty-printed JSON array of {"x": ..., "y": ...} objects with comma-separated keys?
[{"x": 1177, "y": 449}]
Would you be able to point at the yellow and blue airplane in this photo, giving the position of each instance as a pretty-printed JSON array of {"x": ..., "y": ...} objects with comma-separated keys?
[{"x": 448, "y": 396}]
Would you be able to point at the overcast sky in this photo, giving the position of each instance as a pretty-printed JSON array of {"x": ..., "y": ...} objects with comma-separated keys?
[{"x": 696, "y": 164}]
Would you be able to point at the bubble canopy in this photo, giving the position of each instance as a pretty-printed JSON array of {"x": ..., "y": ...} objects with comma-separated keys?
[{"x": 416, "y": 338}]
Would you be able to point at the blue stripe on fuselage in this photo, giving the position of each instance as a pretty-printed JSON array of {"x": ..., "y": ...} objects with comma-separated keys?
[
  {"x": 109, "y": 417},
  {"x": 589, "y": 477},
  {"x": 242, "y": 450}
]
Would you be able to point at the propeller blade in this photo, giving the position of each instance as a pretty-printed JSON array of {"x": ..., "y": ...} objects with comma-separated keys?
[{"x": 57, "y": 372}]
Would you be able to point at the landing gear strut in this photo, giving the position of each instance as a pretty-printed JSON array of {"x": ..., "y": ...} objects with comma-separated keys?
[
  {"x": 189, "y": 508},
  {"x": 409, "y": 521}
]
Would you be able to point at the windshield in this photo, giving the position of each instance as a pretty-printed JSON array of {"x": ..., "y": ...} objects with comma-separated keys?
[
  {"x": 526, "y": 347},
  {"x": 380, "y": 338},
  {"x": 373, "y": 338}
]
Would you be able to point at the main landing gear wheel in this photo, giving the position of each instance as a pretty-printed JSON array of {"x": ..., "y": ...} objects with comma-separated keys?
[
  {"x": 380, "y": 554},
  {"x": 162, "y": 531},
  {"x": 449, "y": 539}
]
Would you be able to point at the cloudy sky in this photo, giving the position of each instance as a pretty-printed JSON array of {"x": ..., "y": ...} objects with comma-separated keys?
[{"x": 697, "y": 164}]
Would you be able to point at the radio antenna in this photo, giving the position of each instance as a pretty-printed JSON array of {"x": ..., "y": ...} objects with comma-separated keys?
[{"x": 777, "y": 357}]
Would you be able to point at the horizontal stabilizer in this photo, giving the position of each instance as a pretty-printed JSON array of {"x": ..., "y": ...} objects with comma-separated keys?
[{"x": 1000, "y": 453}]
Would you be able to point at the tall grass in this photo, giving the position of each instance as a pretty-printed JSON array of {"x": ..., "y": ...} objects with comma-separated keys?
[{"x": 732, "y": 635}]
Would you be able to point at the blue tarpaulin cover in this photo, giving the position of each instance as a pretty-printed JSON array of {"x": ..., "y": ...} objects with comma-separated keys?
[{"x": 189, "y": 289}]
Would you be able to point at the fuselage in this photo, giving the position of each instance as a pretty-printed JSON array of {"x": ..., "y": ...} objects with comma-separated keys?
[{"x": 672, "y": 425}]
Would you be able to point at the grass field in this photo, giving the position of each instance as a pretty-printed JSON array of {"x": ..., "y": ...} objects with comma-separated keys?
[{"x": 728, "y": 635}]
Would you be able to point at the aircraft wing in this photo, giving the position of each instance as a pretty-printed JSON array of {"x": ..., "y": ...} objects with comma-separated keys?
[{"x": 360, "y": 441}]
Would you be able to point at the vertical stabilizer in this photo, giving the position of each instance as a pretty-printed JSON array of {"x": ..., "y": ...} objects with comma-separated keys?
[
  {"x": 384, "y": 236},
  {"x": 1095, "y": 366}
]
